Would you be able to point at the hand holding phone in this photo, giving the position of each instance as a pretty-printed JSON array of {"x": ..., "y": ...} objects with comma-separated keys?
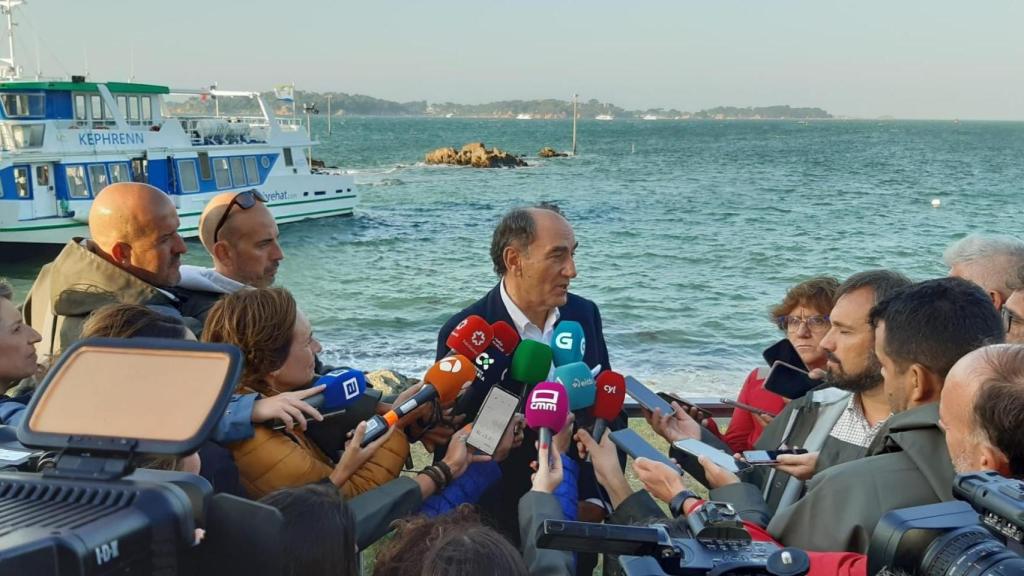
[
  {"x": 746, "y": 407},
  {"x": 492, "y": 420},
  {"x": 789, "y": 381},
  {"x": 696, "y": 448},
  {"x": 700, "y": 414},
  {"x": 768, "y": 457},
  {"x": 633, "y": 444}
]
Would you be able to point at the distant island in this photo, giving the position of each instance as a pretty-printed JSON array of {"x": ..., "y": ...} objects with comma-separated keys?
[{"x": 549, "y": 109}]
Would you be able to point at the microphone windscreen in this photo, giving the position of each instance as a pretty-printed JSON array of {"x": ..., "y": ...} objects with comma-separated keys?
[
  {"x": 491, "y": 366},
  {"x": 470, "y": 337},
  {"x": 578, "y": 382},
  {"x": 547, "y": 407},
  {"x": 344, "y": 386},
  {"x": 611, "y": 394},
  {"x": 449, "y": 375},
  {"x": 568, "y": 343},
  {"x": 531, "y": 362},
  {"x": 505, "y": 337}
]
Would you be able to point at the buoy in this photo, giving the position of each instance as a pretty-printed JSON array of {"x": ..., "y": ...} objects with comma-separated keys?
[{"x": 936, "y": 202}]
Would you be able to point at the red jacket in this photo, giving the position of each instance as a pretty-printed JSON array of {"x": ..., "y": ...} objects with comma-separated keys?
[{"x": 744, "y": 429}]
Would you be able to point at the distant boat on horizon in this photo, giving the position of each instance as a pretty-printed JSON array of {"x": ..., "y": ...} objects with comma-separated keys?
[
  {"x": 524, "y": 116},
  {"x": 649, "y": 117},
  {"x": 604, "y": 117}
]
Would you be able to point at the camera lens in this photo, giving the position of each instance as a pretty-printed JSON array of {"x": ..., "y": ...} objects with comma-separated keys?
[{"x": 970, "y": 551}]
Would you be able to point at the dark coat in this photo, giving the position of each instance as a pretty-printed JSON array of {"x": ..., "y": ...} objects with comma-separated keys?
[{"x": 500, "y": 502}]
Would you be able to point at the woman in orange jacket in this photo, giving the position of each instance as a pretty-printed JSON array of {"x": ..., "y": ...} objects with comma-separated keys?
[{"x": 279, "y": 348}]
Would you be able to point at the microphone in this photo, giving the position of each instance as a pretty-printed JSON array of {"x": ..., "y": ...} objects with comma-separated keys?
[
  {"x": 611, "y": 394},
  {"x": 547, "y": 409},
  {"x": 443, "y": 381},
  {"x": 470, "y": 337},
  {"x": 491, "y": 367},
  {"x": 344, "y": 387},
  {"x": 531, "y": 363},
  {"x": 568, "y": 343},
  {"x": 505, "y": 337},
  {"x": 579, "y": 383}
]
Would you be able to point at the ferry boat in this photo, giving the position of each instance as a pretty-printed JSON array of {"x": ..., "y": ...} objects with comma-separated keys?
[{"x": 61, "y": 142}]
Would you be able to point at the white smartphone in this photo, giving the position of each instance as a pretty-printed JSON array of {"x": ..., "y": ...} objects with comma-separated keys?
[
  {"x": 496, "y": 412},
  {"x": 698, "y": 448}
]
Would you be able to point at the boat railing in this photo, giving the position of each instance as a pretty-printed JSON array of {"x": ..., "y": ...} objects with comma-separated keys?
[{"x": 211, "y": 130}]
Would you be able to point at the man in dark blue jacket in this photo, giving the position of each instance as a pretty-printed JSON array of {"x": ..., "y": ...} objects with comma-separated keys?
[{"x": 533, "y": 251}]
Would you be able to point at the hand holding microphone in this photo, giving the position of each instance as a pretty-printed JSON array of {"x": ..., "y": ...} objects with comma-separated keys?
[
  {"x": 610, "y": 396},
  {"x": 547, "y": 408},
  {"x": 332, "y": 392},
  {"x": 441, "y": 382}
]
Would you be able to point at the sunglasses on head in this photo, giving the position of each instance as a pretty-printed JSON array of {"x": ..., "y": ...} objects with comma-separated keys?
[{"x": 243, "y": 200}]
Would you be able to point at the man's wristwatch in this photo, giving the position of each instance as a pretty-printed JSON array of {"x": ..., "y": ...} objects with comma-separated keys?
[{"x": 676, "y": 505}]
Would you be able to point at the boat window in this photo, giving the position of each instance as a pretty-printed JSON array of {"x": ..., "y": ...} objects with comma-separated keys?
[
  {"x": 97, "y": 108},
  {"x": 122, "y": 105},
  {"x": 287, "y": 156},
  {"x": 252, "y": 173},
  {"x": 80, "y": 107},
  {"x": 140, "y": 170},
  {"x": 237, "y": 171},
  {"x": 204, "y": 166},
  {"x": 22, "y": 105},
  {"x": 23, "y": 135},
  {"x": 119, "y": 172},
  {"x": 97, "y": 177},
  {"x": 133, "y": 109},
  {"x": 147, "y": 109},
  {"x": 221, "y": 173},
  {"x": 187, "y": 176},
  {"x": 43, "y": 175},
  {"x": 21, "y": 181},
  {"x": 76, "y": 182}
]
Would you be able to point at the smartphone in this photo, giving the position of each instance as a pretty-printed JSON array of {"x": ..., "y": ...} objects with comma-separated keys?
[
  {"x": 783, "y": 351},
  {"x": 747, "y": 407},
  {"x": 491, "y": 421},
  {"x": 768, "y": 457},
  {"x": 646, "y": 397},
  {"x": 670, "y": 397},
  {"x": 789, "y": 381},
  {"x": 697, "y": 448},
  {"x": 633, "y": 444}
]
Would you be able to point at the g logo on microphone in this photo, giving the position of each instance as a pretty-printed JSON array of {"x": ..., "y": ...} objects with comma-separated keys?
[{"x": 564, "y": 341}]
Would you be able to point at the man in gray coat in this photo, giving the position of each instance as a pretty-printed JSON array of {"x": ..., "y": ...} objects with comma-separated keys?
[{"x": 920, "y": 333}]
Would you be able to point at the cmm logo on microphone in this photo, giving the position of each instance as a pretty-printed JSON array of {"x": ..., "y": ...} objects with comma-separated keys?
[{"x": 544, "y": 400}]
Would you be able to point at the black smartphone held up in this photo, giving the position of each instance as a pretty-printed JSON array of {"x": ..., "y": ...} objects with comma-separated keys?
[
  {"x": 697, "y": 448},
  {"x": 747, "y": 407},
  {"x": 768, "y": 457},
  {"x": 783, "y": 351},
  {"x": 633, "y": 444},
  {"x": 789, "y": 381},
  {"x": 492, "y": 420},
  {"x": 670, "y": 397},
  {"x": 646, "y": 397}
]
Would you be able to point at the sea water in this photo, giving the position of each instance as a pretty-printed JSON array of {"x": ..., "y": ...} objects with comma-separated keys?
[{"x": 689, "y": 231}]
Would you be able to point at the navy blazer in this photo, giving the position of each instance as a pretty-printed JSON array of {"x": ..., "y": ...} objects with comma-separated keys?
[
  {"x": 492, "y": 309},
  {"x": 500, "y": 502}
]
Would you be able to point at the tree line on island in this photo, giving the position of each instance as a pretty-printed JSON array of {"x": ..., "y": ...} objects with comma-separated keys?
[{"x": 362, "y": 105}]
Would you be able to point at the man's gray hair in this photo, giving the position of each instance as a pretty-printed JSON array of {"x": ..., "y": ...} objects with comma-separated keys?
[
  {"x": 518, "y": 228},
  {"x": 6, "y": 292},
  {"x": 991, "y": 261}
]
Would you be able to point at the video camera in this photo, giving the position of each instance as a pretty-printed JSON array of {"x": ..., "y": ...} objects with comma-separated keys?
[
  {"x": 717, "y": 544},
  {"x": 105, "y": 405},
  {"x": 980, "y": 536}
]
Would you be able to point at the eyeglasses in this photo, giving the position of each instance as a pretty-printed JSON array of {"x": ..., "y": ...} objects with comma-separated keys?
[
  {"x": 1008, "y": 319},
  {"x": 819, "y": 323},
  {"x": 244, "y": 200}
]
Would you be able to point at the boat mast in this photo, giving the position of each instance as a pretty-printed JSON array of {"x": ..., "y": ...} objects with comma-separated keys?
[{"x": 10, "y": 70}]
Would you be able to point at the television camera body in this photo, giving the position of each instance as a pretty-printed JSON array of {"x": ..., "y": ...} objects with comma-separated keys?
[
  {"x": 982, "y": 534},
  {"x": 77, "y": 504},
  {"x": 718, "y": 545}
]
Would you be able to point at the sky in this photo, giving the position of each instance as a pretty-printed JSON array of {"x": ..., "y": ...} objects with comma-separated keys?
[{"x": 861, "y": 58}]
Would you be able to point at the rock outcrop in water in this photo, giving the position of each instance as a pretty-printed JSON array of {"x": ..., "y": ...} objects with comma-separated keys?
[
  {"x": 549, "y": 152},
  {"x": 389, "y": 381},
  {"x": 476, "y": 155}
]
